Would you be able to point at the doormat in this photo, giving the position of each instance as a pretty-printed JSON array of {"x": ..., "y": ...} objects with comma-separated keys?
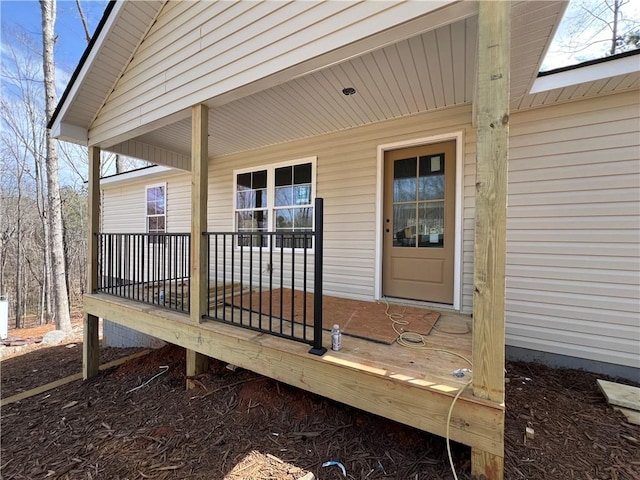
[{"x": 366, "y": 320}]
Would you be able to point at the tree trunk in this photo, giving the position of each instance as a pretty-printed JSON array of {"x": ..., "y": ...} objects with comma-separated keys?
[
  {"x": 614, "y": 26},
  {"x": 60, "y": 296},
  {"x": 42, "y": 208},
  {"x": 119, "y": 164},
  {"x": 18, "y": 291}
]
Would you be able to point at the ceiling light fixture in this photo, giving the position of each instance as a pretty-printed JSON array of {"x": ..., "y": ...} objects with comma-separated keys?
[{"x": 349, "y": 91}]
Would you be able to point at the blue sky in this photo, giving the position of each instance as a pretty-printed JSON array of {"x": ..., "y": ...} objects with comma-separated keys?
[{"x": 24, "y": 15}]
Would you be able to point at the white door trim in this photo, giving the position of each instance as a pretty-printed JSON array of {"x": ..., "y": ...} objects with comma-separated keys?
[{"x": 457, "y": 265}]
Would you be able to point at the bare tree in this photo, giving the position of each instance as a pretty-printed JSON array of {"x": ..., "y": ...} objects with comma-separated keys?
[
  {"x": 85, "y": 25},
  {"x": 60, "y": 293},
  {"x": 23, "y": 144},
  {"x": 590, "y": 23}
]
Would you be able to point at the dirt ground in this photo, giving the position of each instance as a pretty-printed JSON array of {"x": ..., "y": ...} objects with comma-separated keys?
[{"x": 239, "y": 425}]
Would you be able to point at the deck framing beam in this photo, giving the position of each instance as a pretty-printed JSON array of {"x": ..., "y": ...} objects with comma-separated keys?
[
  {"x": 492, "y": 110},
  {"x": 91, "y": 342}
]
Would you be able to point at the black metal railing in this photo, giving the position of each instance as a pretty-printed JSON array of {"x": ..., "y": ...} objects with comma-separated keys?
[
  {"x": 147, "y": 267},
  {"x": 269, "y": 282}
]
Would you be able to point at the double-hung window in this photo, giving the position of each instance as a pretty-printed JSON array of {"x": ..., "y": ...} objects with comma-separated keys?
[
  {"x": 156, "y": 207},
  {"x": 277, "y": 198}
]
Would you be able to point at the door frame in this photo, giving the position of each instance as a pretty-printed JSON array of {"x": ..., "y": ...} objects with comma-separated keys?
[{"x": 458, "y": 136}]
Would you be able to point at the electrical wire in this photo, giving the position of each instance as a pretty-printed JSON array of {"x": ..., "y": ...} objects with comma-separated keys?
[
  {"x": 417, "y": 341},
  {"x": 164, "y": 369}
]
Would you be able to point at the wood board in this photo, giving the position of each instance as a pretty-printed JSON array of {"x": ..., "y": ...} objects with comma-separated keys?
[
  {"x": 356, "y": 318},
  {"x": 633, "y": 416},
  {"x": 621, "y": 395}
]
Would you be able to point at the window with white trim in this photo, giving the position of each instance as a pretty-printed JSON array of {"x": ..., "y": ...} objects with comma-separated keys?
[
  {"x": 156, "y": 208},
  {"x": 277, "y": 198}
]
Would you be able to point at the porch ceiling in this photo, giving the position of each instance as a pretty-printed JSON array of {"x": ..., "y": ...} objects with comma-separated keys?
[{"x": 430, "y": 71}]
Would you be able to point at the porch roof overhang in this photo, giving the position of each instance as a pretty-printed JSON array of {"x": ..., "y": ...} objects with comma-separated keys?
[{"x": 426, "y": 62}]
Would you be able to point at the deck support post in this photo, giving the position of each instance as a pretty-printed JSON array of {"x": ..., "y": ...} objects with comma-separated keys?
[
  {"x": 91, "y": 343},
  {"x": 492, "y": 120},
  {"x": 198, "y": 289}
]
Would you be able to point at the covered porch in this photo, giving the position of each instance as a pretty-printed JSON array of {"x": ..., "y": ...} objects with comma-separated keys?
[{"x": 205, "y": 130}]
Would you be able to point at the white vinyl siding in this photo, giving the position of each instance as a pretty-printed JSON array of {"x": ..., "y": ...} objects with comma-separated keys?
[
  {"x": 573, "y": 230},
  {"x": 124, "y": 205},
  {"x": 199, "y": 50},
  {"x": 346, "y": 179}
]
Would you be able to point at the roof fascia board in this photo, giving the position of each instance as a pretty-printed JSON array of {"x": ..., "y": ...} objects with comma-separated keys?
[
  {"x": 147, "y": 173},
  {"x": 588, "y": 73},
  {"x": 70, "y": 133}
]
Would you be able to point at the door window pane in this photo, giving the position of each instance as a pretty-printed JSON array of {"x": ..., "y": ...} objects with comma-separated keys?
[
  {"x": 404, "y": 225},
  {"x": 431, "y": 224},
  {"x": 404, "y": 180},
  {"x": 431, "y": 183}
]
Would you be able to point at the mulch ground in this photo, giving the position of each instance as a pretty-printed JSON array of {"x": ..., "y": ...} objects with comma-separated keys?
[{"x": 238, "y": 425}]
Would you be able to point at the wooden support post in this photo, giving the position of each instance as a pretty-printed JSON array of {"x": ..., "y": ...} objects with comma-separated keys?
[
  {"x": 197, "y": 363},
  {"x": 199, "y": 266},
  {"x": 492, "y": 110},
  {"x": 91, "y": 344}
]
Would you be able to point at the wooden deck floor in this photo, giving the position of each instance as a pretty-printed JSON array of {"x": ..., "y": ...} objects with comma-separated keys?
[{"x": 415, "y": 386}]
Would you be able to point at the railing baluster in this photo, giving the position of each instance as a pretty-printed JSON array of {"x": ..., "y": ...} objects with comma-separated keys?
[
  {"x": 282, "y": 279},
  {"x": 215, "y": 271},
  {"x": 260, "y": 238},
  {"x": 317, "y": 348},
  {"x": 304, "y": 286},
  {"x": 224, "y": 275},
  {"x": 206, "y": 239},
  {"x": 271, "y": 240},
  {"x": 252, "y": 236},
  {"x": 241, "y": 243},
  {"x": 293, "y": 281}
]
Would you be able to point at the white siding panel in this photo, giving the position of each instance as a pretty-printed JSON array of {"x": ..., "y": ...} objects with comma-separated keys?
[
  {"x": 231, "y": 44},
  {"x": 124, "y": 205},
  {"x": 346, "y": 179},
  {"x": 573, "y": 239}
]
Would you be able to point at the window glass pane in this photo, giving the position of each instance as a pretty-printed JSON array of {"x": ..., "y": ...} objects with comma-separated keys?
[
  {"x": 284, "y": 219},
  {"x": 404, "y": 225},
  {"x": 251, "y": 221},
  {"x": 160, "y": 195},
  {"x": 303, "y": 218},
  {"x": 404, "y": 180},
  {"x": 244, "y": 181},
  {"x": 284, "y": 196},
  {"x": 156, "y": 224},
  {"x": 260, "y": 219},
  {"x": 244, "y": 199},
  {"x": 260, "y": 179},
  {"x": 431, "y": 224},
  {"x": 284, "y": 176},
  {"x": 251, "y": 199},
  {"x": 302, "y": 174},
  {"x": 302, "y": 194}
]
